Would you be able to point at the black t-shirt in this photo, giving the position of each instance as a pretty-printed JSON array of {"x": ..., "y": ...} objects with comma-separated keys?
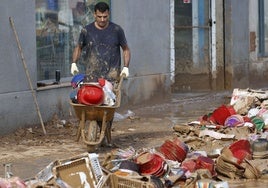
[{"x": 102, "y": 50}]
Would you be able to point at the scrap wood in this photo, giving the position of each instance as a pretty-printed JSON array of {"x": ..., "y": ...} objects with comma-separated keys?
[
  {"x": 185, "y": 129},
  {"x": 192, "y": 139},
  {"x": 239, "y": 132},
  {"x": 182, "y": 128}
]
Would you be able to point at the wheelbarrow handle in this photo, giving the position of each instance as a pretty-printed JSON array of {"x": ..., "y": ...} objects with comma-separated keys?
[{"x": 120, "y": 82}]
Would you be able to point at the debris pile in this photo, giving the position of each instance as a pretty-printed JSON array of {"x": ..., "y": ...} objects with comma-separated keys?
[{"x": 94, "y": 92}]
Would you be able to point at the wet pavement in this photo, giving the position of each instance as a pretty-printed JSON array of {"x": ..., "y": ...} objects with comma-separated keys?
[{"x": 183, "y": 107}]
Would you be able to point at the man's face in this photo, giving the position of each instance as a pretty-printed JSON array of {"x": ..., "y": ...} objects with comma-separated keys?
[{"x": 101, "y": 19}]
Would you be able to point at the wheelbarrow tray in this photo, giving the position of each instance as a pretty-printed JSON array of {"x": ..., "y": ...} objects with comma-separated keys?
[
  {"x": 94, "y": 113},
  {"x": 97, "y": 112}
]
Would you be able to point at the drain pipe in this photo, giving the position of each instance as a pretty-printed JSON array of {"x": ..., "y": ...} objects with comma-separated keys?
[
  {"x": 213, "y": 41},
  {"x": 172, "y": 40}
]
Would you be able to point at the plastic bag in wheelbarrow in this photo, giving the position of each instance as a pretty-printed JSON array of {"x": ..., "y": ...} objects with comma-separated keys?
[{"x": 90, "y": 94}]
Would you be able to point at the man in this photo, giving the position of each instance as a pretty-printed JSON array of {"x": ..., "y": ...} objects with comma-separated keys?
[{"x": 102, "y": 40}]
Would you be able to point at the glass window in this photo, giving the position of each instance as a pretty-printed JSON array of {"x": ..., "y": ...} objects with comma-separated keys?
[
  {"x": 58, "y": 24},
  {"x": 263, "y": 27}
]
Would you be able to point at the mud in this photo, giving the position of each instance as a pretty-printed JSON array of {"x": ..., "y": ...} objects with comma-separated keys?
[{"x": 29, "y": 150}]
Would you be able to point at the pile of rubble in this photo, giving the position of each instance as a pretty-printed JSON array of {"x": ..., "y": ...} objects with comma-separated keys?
[{"x": 230, "y": 143}]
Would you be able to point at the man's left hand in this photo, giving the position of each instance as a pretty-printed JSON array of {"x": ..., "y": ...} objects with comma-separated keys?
[{"x": 125, "y": 71}]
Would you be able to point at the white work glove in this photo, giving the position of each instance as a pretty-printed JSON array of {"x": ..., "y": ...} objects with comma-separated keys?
[
  {"x": 125, "y": 71},
  {"x": 74, "y": 69}
]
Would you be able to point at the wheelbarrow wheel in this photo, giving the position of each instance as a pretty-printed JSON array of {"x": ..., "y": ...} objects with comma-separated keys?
[
  {"x": 92, "y": 131},
  {"x": 91, "y": 134}
]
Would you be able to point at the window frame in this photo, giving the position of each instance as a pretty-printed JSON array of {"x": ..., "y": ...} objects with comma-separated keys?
[
  {"x": 262, "y": 52},
  {"x": 64, "y": 63}
]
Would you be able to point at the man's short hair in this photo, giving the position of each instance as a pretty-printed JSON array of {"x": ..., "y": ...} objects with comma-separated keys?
[{"x": 101, "y": 6}]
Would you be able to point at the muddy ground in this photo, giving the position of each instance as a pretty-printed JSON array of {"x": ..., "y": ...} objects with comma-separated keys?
[{"x": 29, "y": 150}]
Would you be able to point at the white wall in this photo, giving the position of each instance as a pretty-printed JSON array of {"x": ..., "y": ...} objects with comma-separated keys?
[{"x": 146, "y": 24}]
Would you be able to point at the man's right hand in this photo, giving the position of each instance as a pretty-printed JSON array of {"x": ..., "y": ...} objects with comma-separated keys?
[{"x": 74, "y": 69}]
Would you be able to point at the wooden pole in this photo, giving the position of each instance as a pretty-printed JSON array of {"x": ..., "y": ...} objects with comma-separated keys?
[{"x": 27, "y": 73}]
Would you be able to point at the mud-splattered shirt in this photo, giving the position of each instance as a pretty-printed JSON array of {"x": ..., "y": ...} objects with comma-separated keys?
[{"x": 102, "y": 50}]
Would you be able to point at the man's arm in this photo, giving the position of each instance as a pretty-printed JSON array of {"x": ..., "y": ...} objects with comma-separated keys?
[
  {"x": 126, "y": 55},
  {"x": 76, "y": 53}
]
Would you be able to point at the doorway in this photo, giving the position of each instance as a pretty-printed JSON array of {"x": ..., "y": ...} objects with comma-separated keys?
[{"x": 193, "y": 45}]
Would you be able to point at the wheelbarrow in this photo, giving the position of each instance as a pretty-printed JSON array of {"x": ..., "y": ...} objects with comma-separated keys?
[{"x": 95, "y": 121}]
